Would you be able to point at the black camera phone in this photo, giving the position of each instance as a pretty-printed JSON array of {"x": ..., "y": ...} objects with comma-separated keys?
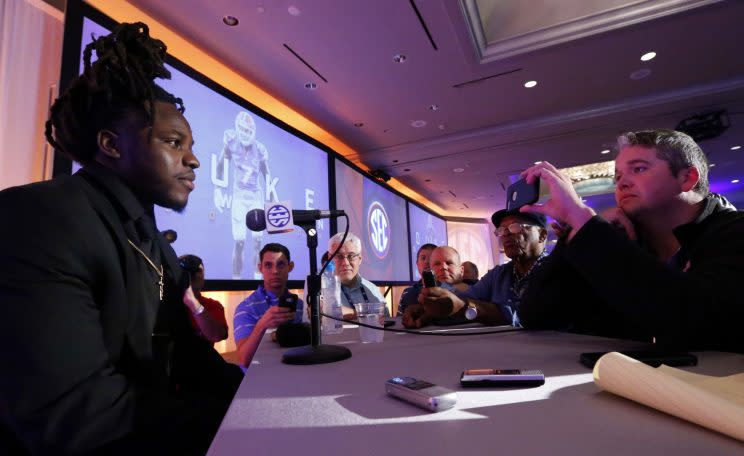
[
  {"x": 289, "y": 301},
  {"x": 428, "y": 278},
  {"x": 520, "y": 193},
  {"x": 653, "y": 357}
]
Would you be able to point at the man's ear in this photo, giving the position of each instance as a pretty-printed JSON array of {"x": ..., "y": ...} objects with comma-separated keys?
[
  {"x": 108, "y": 144},
  {"x": 543, "y": 235},
  {"x": 688, "y": 178},
  {"x": 291, "y": 266}
]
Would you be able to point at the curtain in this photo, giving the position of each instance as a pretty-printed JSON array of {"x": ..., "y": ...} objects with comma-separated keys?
[
  {"x": 30, "y": 56},
  {"x": 475, "y": 242}
]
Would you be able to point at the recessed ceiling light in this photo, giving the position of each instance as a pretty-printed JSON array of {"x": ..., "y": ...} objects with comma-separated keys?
[
  {"x": 530, "y": 84},
  {"x": 711, "y": 165},
  {"x": 441, "y": 126},
  {"x": 640, "y": 74},
  {"x": 418, "y": 123},
  {"x": 538, "y": 162},
  {"x": 399, "y": 58},
  {"x": 311, "y": 86},
  {"x": 359, "y": 124},
  {"x": 648, "y": 56},
  {"x": 458, "y": 170},
  {"x": 735, "y": 147},
  {"x": 735, "y": 181},
  {"x": 231, "y": 21},
  {"x": 433, "y": 107},
  {"x": 294, "y": 11},
  {"x": 606, "y": 151}
]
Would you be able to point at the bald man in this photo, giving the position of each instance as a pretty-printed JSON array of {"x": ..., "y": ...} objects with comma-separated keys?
[{"x": 447, "y": 267}]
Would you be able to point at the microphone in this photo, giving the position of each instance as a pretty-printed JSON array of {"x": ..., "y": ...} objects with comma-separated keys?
[{"x": 255, "y": 219}]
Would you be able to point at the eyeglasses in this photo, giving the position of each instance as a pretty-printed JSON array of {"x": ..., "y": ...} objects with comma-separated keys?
[
  {"x": 350, "y": 257},
  {"x": 513, "y": 228}
]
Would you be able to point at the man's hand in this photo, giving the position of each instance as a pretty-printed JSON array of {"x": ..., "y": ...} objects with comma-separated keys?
[
  {"x": 412, "y": 316},
  {"x": 439, "y": 303},
  {"x": 348, "y": 313},
  {"x": 560, "y": 229},
  {"x": 190, "y": 301},
  {"x": 274, "y": 317},
  {"x": 564, "y": 204},
  {"x": 619, "y": 219}
]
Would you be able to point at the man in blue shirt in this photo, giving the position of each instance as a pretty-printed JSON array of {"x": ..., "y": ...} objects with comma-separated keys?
[
  {"x": 410, "y": 294},
  {"x": 260, "y": 311},
  {"x": 495, "y": 298}
]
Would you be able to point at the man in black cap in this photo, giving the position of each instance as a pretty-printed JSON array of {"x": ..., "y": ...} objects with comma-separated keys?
[{"x": 495, "y": 298}]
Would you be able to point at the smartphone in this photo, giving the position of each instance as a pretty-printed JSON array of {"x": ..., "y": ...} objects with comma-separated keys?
[
  {"x": 502, "y": 377},
  {"x": 520, "y": 193},
  {"x": 289, "y": 301},
  {"x": 428, "y": 278},
  {"x": 654, "y": 358}
]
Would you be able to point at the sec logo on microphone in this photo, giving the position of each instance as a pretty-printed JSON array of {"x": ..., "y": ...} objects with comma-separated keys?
[
  {"x": 278, "y": 216},
  {"x": 378, "y": 228}
]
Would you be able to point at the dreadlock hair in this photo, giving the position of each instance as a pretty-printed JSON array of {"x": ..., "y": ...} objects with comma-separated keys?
[{"x": 117, "y": 85}]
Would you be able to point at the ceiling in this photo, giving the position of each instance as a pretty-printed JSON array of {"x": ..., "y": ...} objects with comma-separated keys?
[{"x": 471, "y": 58}]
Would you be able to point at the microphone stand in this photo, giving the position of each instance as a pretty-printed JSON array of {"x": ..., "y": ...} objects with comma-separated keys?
[{"x": 315, "y": 353}]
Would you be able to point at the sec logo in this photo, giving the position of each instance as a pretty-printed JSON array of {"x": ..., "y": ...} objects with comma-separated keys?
[
  {"x": 378, "y": 227},
  {"x": 278, "y": 216}
]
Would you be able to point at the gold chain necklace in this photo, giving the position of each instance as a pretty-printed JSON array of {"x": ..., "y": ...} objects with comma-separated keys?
[{"x": 159, "y": 271}]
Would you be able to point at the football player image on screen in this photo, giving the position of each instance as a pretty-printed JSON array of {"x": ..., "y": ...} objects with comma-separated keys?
[
  {"x": 430, "y": 236},
  {"x": 251, "y": 174}
]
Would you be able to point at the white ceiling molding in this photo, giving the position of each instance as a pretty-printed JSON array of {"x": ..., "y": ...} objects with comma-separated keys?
[
  {"x": 594, "y": 112},
  {"x": 612, "y": 19}
]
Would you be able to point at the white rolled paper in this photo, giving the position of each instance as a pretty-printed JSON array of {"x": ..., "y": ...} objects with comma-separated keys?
[{"x": 716, "y": 403}]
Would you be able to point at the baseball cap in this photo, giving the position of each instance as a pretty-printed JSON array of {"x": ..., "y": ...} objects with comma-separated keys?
[{"x": 536, "y": 219}]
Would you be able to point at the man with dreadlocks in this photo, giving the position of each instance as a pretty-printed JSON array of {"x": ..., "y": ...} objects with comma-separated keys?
[{"x": 98, "y": 354}]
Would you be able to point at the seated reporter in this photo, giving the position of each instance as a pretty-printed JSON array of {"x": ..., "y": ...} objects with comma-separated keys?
[
  {"x": 665, "y": 265},
  {"x": 447, "y": 269},
  {"x": 410, "y": 294},
  {"x": 495, "y": 299},
  {"x": 207, "y": 315},
  {"x": 261, "y": 311},
  {"x": 470, "y": 273},
  {"x": 354, "y": 287}
]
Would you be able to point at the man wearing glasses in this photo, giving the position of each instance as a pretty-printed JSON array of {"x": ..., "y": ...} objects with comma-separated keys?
[
  {"x": 354, "y": 288},
  {"x": 495, "y": 298}
]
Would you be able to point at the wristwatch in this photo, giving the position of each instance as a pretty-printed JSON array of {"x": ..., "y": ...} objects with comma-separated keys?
[{"x": 471, "y": 312}]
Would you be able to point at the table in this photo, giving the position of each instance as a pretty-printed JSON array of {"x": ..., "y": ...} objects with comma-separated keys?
[{"x": 342, "y": 409}]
